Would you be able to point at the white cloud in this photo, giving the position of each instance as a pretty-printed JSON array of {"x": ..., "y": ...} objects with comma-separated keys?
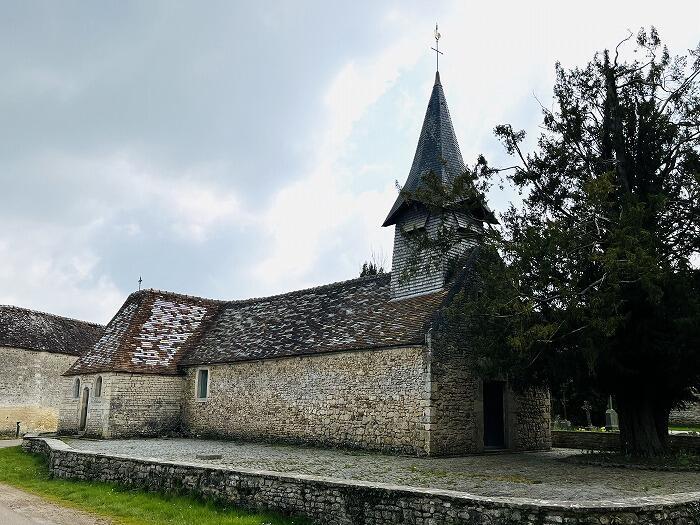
[
  {"x": 74, "y": 192},
  {"x": 196, "y": 210},
  {"x": 320, "y": 212},
  {"x": 50, "y": 263},
  {"x": 52, "y": 270},
  {"x": 498, "y": 58},
  {"x": 110, "y": 184}
]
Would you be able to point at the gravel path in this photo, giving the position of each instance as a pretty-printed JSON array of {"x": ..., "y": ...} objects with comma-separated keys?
[{"x": 540, "y": 475}]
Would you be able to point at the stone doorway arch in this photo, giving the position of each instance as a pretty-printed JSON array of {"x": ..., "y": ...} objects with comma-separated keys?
[{"x": 84, "y": 410}]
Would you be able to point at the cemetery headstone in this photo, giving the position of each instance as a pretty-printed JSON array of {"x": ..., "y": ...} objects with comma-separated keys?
[
  {"x": 611, "y": 423},
  {"x": 587, "y": 409}
]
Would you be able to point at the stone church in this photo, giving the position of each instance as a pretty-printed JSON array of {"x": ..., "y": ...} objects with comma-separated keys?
[{"x": 346, "y": 364}]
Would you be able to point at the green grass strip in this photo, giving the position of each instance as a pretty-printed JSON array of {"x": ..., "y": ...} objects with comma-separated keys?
[
  {"x": 685, "y": 429},
  {"x": 123, "y": 506}
]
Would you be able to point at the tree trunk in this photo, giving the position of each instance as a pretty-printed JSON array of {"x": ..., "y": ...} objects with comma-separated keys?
[
  {"x": 662, "y": 415},
  {"x": 641, "y": 428}
]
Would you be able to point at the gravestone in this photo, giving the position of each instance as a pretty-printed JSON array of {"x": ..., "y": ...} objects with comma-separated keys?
[
  {"x": 611, "y": 423},
  {"x": 587, "y": 409},
  {"x": 561, "y": 424}
]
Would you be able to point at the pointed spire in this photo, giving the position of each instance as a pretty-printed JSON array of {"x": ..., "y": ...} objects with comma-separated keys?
[{"x": 437, "y": 150}]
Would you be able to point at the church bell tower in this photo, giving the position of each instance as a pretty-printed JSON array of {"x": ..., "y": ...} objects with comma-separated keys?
[{"x": 437, "y": 152}]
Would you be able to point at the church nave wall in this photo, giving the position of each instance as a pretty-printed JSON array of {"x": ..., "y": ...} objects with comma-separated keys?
[
  {"x": 128, "y": 405},
  {"x": 371, "y": 399}
]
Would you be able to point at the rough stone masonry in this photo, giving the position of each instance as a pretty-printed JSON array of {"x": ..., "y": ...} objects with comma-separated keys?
[{"x": 337, "y": 502}]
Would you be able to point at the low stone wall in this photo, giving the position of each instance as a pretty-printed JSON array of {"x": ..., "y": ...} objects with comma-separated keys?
[
  {"x": 586, "y": 440},
  {"x": 611, "y": 441},
  {"x": 688, "y": 416},
  {"x": 338, "y": 502}
]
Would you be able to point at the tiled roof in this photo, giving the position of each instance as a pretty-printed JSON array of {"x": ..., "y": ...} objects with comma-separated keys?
[
  {"x": 31, "y": 330},
  {"x": 437, "y": 150},
  {"x": 150, "y": 334},
  {"x": 354, "y": 314},
  {"x": 156, "y": 332}
]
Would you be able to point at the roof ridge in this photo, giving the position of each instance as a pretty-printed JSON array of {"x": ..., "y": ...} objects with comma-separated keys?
[
  {"x": 260, "y": 298},
  {"x": 176, "y": 294},
  {"x": 49, "y": 314},
  {"x": 311, "y": 288}
]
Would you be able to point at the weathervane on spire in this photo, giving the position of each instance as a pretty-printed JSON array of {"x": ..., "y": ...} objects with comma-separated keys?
[{"x": 437, "y": 48}]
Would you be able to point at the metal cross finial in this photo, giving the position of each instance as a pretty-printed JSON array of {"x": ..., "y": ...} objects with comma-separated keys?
[
  {"x": 140, "y": 281},
  {"x": 437, "y": 48}
]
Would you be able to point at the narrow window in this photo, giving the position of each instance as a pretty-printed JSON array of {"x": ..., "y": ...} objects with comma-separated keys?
[
  {"x": 76, "y": 388},
  {"x": 98, "y": 387},
  {"x": 202, "y": 383}
]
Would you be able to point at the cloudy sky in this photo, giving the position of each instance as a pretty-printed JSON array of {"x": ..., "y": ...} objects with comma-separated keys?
[{"x": 234, "y": 149}]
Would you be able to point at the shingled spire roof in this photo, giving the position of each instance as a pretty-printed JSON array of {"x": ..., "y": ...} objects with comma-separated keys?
[{"x": 437, "y": 150}]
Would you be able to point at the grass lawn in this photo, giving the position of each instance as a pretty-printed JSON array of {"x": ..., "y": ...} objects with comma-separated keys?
[
  {"x": 685, "y": 429},
  {"x": 124, "y": 506}
]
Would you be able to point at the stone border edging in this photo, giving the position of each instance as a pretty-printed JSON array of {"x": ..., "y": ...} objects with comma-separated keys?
[{"x": 332, "y": 501}]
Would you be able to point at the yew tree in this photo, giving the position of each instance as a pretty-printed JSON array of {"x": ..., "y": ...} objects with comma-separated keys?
[{"x": 595, "y": 274}]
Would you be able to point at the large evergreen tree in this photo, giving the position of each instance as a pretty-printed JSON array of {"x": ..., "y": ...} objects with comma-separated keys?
[{"x": 595, "y": 274}]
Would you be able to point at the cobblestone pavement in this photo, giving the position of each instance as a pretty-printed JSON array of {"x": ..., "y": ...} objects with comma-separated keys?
[{"x": 540, "y": 475}]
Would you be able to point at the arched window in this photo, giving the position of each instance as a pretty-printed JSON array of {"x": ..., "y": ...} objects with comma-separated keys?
[
  {"x": 76, "y": 388},
  {"x": 98, "y": 387}
]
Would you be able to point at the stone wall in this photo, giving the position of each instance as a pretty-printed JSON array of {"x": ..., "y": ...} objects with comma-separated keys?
[
  {"x": 98, "y": 406},
  {"x": 371, "y": 399},
  {"x": 456, "y": 419},
  {"x": 391, "y": 399},
  {"x": 339, "y": 502},
  {"x": 456, "y": 422},
  {"x": 687, "y": 416},
  {"x": 611, "y": 441},
  {"x": 398, "y": 400},
  {"x": 130, "y": 405},
  {"x": 529, "y": 420},
  {"x": 30, "y": 388}
]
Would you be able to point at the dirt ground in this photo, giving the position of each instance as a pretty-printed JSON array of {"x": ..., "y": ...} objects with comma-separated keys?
[{"x": 20, "y": 508}]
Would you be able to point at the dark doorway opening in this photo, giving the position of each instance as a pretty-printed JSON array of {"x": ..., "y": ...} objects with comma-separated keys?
[
  {"x": 494, "y": 424},
  {"x": 84, "y": 410}
]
